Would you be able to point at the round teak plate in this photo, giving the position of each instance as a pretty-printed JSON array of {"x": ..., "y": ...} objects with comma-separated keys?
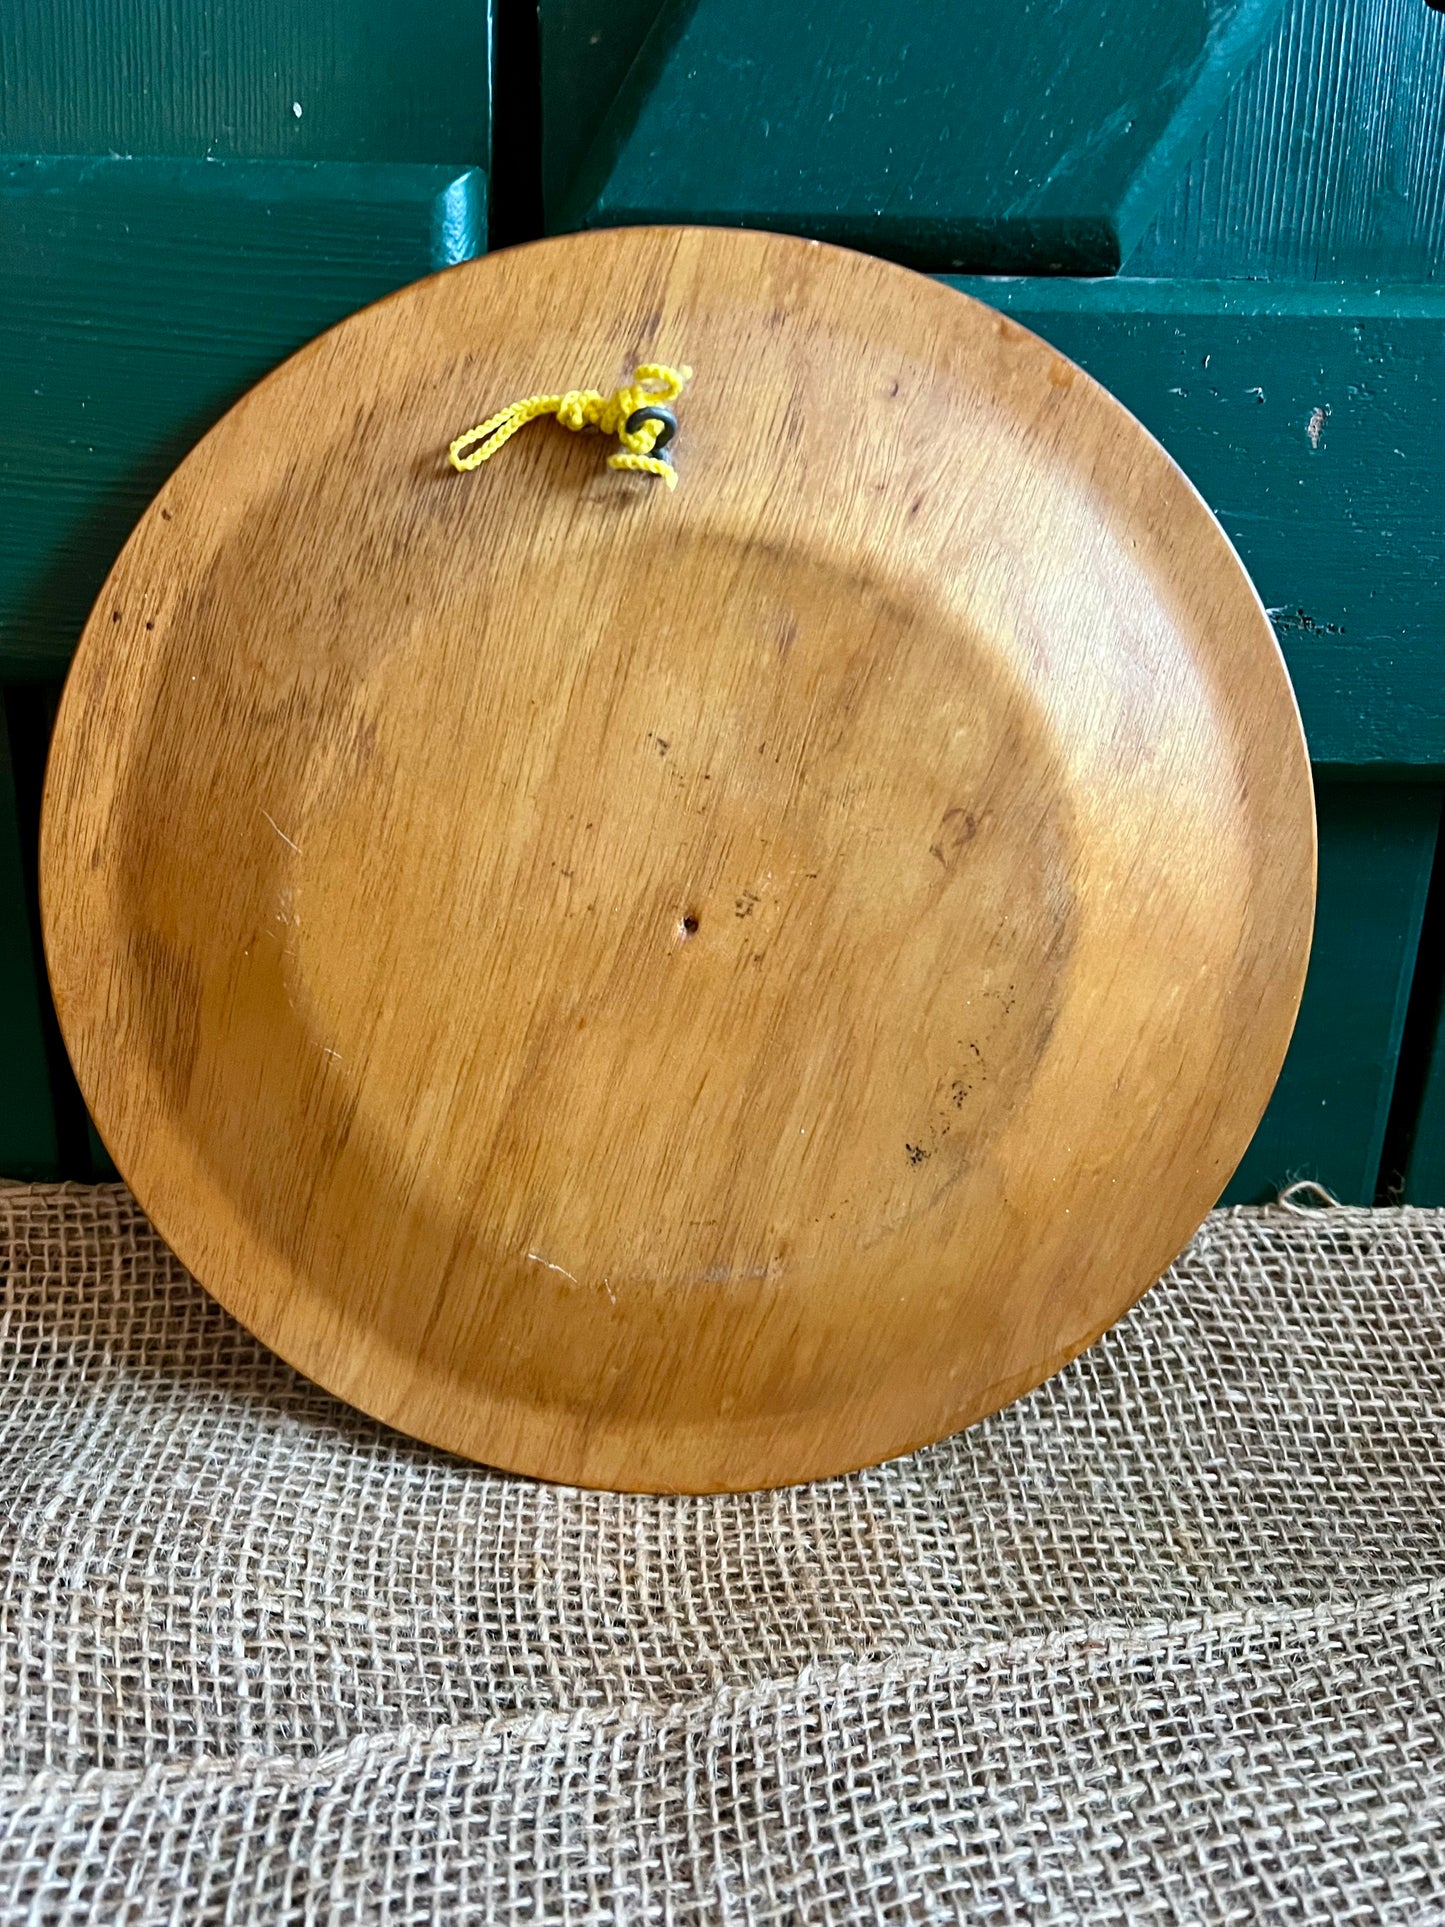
[{"x": 679, "y": 990}]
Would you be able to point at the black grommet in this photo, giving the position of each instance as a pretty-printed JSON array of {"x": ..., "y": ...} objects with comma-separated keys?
[{"x": 653, "y": 414}]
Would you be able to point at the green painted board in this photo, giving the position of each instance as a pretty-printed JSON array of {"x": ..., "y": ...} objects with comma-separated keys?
[
  {"x": 1328, "y": 161},
  {"x": 46, "y": 1108},
  {"x": 1037, "y": 138},
  {"x": 1309, "y": 417},
  {"x": 375, "y": 80},
  {"x": 1418, "y": 1129},
  {"x": 1329, "y": 1112},
  {"x": 138, "y": 300},
  {"x": 1425, "y": 1171},
  {"x": 586, "y": 49},
  {"x": 29, "y": 1139}
]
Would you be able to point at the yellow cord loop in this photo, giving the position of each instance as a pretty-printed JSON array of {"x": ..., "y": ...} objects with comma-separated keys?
[{"x": 652, "y": 386}]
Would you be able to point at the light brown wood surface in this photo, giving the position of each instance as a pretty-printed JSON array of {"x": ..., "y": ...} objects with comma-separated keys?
[{"x": 679, "y": 990}]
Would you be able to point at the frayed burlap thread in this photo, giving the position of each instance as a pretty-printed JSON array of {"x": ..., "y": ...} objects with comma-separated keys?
[{"x": 1161, "y": 1643}]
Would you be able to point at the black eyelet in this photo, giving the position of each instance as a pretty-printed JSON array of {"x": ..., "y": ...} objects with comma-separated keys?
[{"x": 653, "y": 414}]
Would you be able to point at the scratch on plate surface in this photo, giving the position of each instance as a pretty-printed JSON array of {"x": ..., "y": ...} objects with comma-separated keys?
[
  {"x": 547, "y": 1265},
  {"x": 280, "y": 832}
]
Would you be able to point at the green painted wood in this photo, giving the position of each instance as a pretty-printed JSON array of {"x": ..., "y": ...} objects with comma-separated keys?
[
  {"x": 1425, "y": 1171},
  {"x": 1417, "y": 1135},
  {"x": 101, "y": 1166},
  {"x": 587, "y": 47},
  {"x": 1309, "y": 417},
  {"x": 28, "y": 712},
  {"x": 29, "y": 1140},
  {"x": 1036, "y": 138},
  {"x": 1328, "y": 161},
  {"x": 138, "y": 300},
  {"x": 375, "y": 80},
  {"x": 1328, "y": 1116}
]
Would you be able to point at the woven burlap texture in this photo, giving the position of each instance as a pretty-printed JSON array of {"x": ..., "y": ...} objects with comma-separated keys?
[{"x": 1161, "y": 1643}]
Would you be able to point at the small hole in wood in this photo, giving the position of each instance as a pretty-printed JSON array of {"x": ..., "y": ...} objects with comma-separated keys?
[{"x": 688, "y": 926}]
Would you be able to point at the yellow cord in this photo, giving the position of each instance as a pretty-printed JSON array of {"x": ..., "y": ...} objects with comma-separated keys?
[{"x": 651, "y": 386}]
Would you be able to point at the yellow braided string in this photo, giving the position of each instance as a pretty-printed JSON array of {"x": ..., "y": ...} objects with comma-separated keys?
[{"x": 651, "y": 385}]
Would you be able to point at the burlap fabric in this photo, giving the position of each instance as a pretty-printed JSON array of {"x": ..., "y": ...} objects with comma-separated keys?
[{"x": 1162, "y": 1643}]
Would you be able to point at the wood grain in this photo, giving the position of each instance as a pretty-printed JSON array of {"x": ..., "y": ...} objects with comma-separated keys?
[
  {"x": 693, "y": 990},
  {"x": 1328, "y": 163}
]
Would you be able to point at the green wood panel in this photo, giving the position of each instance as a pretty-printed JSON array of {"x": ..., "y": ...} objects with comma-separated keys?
[
  {"x": 29, "y": 1140},
  {"x": 1039, "y": 137},
  {"x": 586, "y": 49},
  {"x": 1417, "y": 1137},
  {"x": 100, "y": 1168},
  {"x": 139, "y": 299},
  {"x": 1328, "y": 161},
  {"x": 1329, "y": 1112},
  {"x": 375, "y": 80},
  {"x": 52, "y": 1111},
  {"x": 1425, "y": 1172},
  {"x": 1309, "y": 418}
]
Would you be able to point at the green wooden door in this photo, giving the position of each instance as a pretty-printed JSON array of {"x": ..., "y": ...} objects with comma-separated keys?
[
  {"x": 1259, "y": 208},
  {"x": 1232, "y": 212},
  {"x": 186, "y": 195}
]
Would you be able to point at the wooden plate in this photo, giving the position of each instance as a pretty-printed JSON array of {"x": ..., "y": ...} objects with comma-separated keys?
[{"x": 681, "y": 990}]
